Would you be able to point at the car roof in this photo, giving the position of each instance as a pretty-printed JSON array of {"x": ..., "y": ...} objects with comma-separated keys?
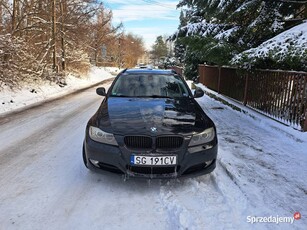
[{"x": 150, "y": 71}]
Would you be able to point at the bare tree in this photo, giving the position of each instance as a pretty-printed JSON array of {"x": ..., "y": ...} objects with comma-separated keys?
[
  {"x": 14, "y": 15},
  {"x": 37, "y": 32},
  {"x": 63, "y": 11},
  {"x": 1, "y": 17},
  {"x": 54, "y": 64}
]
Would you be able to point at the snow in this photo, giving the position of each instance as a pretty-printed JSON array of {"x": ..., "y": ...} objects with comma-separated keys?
[
  {"x": 222, "y": 4},
  {"x": 204, "y": 29},
  {"x": 292, "y": 42},
  {"x": 113, "y": 70},
  {"x": 277, "y": 25},
  {"x": 244, "y": 6},
  {"x": 261, "y": 171},
  {"x": 32, "y": 94},
  {"x": 225, "y": 34}
]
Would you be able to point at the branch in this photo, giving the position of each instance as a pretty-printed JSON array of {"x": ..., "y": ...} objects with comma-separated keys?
[{"x": 293, "y": 1}]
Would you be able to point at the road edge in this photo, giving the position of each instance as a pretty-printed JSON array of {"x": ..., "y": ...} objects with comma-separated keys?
[{"x": 51, "y": 99}]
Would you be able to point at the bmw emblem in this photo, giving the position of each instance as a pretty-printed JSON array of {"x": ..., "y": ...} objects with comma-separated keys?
[{"x": 153, "y": 129}]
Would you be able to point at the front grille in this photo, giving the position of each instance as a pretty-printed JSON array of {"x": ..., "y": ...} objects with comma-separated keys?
[
  {"x": 138, "y": 142},
  {"x": 154, "y": 170},
  {"x": 169, "y": 142},
  {"x": 162, "y": 142}
]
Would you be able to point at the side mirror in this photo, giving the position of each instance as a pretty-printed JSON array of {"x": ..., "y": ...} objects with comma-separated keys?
[
  {"x": 101, "y": 91},
  {"x": 198, "y": 93}
]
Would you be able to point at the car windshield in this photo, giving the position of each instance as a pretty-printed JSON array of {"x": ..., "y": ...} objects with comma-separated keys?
[{"x": 147, "y": 85}]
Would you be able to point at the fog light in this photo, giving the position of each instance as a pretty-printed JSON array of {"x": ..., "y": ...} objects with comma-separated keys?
[
  {"x": 207, "y": 147},
  {"x": 208, "y": 162},
  {"x": 94, "y": 162}
]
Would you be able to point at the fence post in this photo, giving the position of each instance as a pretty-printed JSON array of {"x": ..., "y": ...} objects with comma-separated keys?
[
  {"x": 304, "y": 104},
  {"x": 305, "y": 122},
  {"x": 201, "y": 73},
  {"x": 204, "y": 75},
  {"x": 219, "y": 80},
  {"x": 245, "y": 89}
]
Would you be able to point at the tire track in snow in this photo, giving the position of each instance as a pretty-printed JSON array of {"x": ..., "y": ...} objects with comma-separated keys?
[
  {"x": 37, "y": 137},
  {"x": 201, "y": 202},
  {"x": 260, "y": 160},
  {"x": 179, "y": 217},
  {"x": 188, "y": 200},
  {"x": 35, "y": 143}
]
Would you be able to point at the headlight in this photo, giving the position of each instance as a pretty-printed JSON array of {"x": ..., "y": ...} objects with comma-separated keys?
[
  {"x": 202, "y": 138},
  {"x": 101, "y": 136}
]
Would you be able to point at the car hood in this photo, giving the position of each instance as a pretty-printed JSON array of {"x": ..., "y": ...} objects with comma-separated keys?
[{"x": 151, "y": 116}]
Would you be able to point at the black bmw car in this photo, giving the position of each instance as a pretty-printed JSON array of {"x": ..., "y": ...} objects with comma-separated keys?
[{"x": 150, "y": 125}]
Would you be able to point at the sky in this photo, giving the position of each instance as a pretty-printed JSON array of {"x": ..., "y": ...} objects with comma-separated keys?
[{"x": 146, "y": 18}]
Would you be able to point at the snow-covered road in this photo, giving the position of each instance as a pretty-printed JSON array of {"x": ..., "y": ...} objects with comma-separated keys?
[{"x": 261, "y": 171}]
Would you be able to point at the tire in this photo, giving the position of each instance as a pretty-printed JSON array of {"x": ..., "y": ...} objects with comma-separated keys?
[{"x": 84, "y": 157}]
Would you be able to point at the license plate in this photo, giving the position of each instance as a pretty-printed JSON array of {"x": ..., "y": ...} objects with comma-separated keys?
[{"x": 153, "y": 160}]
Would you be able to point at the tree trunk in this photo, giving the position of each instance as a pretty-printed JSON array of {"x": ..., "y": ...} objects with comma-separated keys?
[
  {"x": 63, "y": 35},
  {"x": 1, "y": 21},
  {"x": 14, "y": 15},
  {"x": 54, "y": 66},
  {"x": 96, "y": 55},
  {"x": 119, "y": 52}
]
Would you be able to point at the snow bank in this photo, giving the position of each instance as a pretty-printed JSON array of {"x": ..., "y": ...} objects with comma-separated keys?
[
  {"x": 292, "y": 42},
  {"x": 113, "y": 70},
  {"x": 32, "y": 94}
]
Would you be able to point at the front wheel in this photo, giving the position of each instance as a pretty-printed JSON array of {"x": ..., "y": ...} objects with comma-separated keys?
[{"x": 84, "y": 156}]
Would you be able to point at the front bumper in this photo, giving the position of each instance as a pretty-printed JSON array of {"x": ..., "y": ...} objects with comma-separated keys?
[{"x": 191, "y": 161}]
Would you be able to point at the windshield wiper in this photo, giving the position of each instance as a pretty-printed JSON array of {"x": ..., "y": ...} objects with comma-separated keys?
[
  {"x": 158, "y": 96},
  {"x": 120, "y": 96},
  {"x": 151, "y": 96}
]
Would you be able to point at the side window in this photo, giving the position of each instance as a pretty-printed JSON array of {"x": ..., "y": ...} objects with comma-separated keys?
[
  {"x": 115, "y": 87},
  {"x": 173, "y": 89},
  {"x": 183, "y": 89}
]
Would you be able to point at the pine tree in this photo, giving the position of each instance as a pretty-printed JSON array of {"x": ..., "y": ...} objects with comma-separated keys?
[
  {"x": 222, "y": 29},
  {"x": 159, "y": 49}
]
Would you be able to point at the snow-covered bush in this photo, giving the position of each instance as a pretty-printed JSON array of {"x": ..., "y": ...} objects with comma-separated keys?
[
  {"x": 17, "y": 65},
  {"x": 77, "y": 61},
  {"x": 287, "y": 50},
  {"x": 170, "y": 61}
]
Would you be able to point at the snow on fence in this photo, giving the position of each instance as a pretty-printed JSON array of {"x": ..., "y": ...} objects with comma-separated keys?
[{"x": 281, "y": 95}]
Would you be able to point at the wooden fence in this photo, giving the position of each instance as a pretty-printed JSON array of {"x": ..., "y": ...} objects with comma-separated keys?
[
  {"x": 178, "y": 70},
  {"x": 281, "y": 95}
]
